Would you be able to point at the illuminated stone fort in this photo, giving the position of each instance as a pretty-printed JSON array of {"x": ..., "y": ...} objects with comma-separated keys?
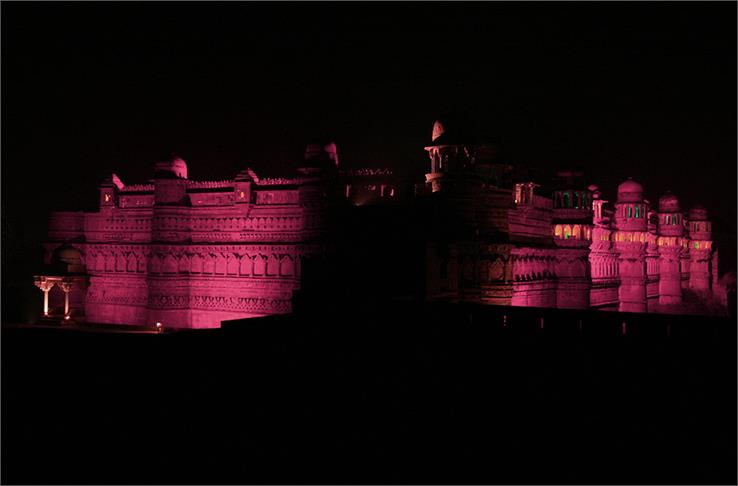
[{"x": 194, "y": 253}]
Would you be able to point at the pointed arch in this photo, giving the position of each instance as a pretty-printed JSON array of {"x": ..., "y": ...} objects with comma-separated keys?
[
  {"x": 246, "y": 265},
  {"x": 196, "y": 263},
  {"x": 232, "y": 265},
  {"x": 287, "y": 266}
]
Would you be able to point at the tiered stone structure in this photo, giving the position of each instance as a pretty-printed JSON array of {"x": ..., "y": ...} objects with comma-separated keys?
[
  {"x": 670, "y": 245},
  {"x": 188, "y": 253},
  {"x": 560, "y": 248},
  {"x": 699, "y": 249}
]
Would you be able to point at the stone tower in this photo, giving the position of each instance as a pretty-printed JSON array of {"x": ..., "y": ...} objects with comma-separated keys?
[
  {"x": 572, "y": 227},
  {"x": 670, "y": 232},
  {"x": 631, "y": 222},
  {"x": 700, "y": 249},
  {"x": 169, "y": 226}
]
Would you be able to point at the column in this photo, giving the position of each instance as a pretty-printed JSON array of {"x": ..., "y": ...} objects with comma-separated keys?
[
  {"x": 66, "y": 287},
  {"x": 45, "y": 286}
]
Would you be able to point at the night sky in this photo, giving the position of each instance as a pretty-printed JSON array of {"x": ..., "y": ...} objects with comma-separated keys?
[{"x": 620, "y": 89}]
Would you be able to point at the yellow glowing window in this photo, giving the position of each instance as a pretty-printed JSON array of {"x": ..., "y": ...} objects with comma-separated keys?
[
  {"x": 107, "y": 197},
  {"x": 567, "y": 232},
  {"x": 557, "y": 231}
]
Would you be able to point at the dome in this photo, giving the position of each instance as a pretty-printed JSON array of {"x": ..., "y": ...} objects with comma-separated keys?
[
  {"x": 668, "y": 203},
  {"x": 698, "y": 213},
  {"x": 174, "y": 167},
  {"x": 68, "y": 255},
  {"x": 630, "y": 191},
  {"x": 320, "y": 154},
  {"x": 438, "y": 130},
  {"x": 452, "y": 130}
]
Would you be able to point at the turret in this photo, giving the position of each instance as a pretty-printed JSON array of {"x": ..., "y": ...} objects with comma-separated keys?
[
  {"x": 242, "y": 186},
  {"x": 670, "y": 244},
  {"x": 109, "y": 192},
  {"x": 631, "y": 211},
  {"x": 699, "y": 225},
  {"x": 452, "y": 154},
  {"x": 572, "y": 229},
  {"x": 631, "y": 222},
  {"x": 670, "y": 221},
  {"x": 170, "y": 182},
  {"x": 572, "y": 215},
  {"x": 700, "y": 248},
  {"x": 320, "y": 157}
]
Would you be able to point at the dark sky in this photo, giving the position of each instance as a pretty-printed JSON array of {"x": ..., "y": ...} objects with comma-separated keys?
[{"x": 622, "y": 89}]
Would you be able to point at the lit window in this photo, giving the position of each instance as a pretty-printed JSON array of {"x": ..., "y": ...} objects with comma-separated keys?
[
  {"x": 567, "y": 232},
  {"x": 107, "y": 197},
  {"x": 637, "y": 207},
  {"x": 557, "y": 231},
  {"x": 575, "y": 231},
  {"x": 630, "y": 211}
]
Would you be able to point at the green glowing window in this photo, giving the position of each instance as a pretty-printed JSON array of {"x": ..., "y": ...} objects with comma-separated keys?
[
  {"x": 630, "y": 211},
  {"x": 696, "y": 246},
  {"x": 637, "y": 207}
]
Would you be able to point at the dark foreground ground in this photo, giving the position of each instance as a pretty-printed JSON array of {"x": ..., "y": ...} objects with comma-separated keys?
[{"x": 407, "y": 394}]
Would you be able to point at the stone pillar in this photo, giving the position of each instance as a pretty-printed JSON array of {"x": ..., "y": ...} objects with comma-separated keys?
[
  {"x": 632, "y": 266},
  {"x": 670, "y": 286},
  {"x": 45, "y": 286},
  {"x": 699, "y": 267},
  {"x": 66, "y": 287}
]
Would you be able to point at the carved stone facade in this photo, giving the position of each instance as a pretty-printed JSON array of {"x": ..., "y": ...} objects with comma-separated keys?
[
  {"x": 561, "y": 247},
  {"x": 193, "y": 253}
]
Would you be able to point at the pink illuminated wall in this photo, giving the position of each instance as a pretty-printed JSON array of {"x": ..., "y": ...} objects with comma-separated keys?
[{"x": 192, "y": 253}]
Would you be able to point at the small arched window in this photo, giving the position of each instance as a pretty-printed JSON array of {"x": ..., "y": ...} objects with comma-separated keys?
[
  {"x": 567, "y": 200},
  {"x": 630, "y": 211},
  {"x": 575, "y": 231},
  {"x": 557, "y": 231},
  {"x": 567, "y": 232}
]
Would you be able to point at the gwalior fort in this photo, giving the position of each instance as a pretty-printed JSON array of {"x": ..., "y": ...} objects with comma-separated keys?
[{"x": 190, "y": 254}]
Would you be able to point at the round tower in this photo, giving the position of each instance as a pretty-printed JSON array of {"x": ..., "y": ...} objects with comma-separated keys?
[
  {"x": 170, "y": 181},
  {"x": 170, "y": 224},
  {"x": 631, "y": 222},
  {"x": 572, "y": 230},
  {"x": 452, "y": 153},
  {"x": 320, "y": 156},
  {"x": 700, "y": 248},
  {"x": 670, "y": 231}
]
